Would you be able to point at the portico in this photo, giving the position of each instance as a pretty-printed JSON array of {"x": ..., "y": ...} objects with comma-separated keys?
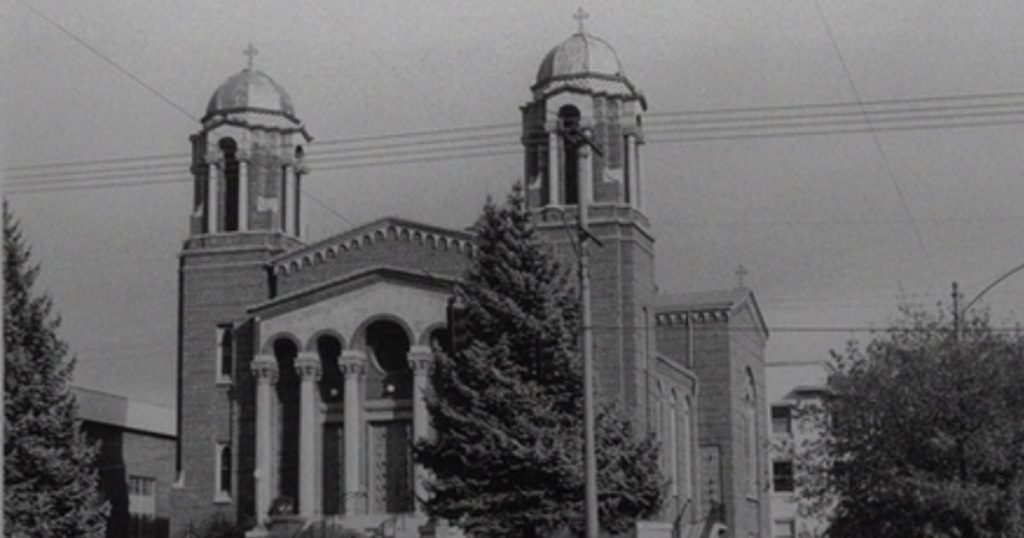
[{"x": 339, "y": 395}]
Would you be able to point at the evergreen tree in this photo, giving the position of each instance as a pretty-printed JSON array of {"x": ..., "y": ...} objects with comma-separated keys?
[
  {"x": 507, "y": 407},
  {"x": 50, "y": 488}
]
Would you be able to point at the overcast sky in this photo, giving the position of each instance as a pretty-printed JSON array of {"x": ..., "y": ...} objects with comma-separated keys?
[{"x": 817, "y": 220}]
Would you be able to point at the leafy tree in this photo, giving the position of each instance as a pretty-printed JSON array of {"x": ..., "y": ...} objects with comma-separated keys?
[
  {"x": 507, "y": 407},
  {"x": 50, "y": 488},
  {"x": 923, "y": 434}
]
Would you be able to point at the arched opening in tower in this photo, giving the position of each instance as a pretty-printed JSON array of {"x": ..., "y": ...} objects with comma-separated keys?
[
  {"x": 569, "y": 121},
  {"x": 231, "y": 184}
]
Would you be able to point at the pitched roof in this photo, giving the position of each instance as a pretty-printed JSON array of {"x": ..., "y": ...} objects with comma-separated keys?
[
  {"x": 720, "y": 304},
  {"x": 382, "y": 229}
]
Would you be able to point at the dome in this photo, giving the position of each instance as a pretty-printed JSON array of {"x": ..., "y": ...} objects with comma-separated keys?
[
  {"x": 580, "y": 55},
  {"x": 250, "y": 90}
]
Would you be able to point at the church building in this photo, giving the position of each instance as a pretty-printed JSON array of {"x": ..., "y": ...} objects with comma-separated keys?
[{"x": 302, "y": 365}]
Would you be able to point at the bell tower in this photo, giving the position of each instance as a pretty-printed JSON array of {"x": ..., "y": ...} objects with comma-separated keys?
[
  {"x": 247, "y": 160},
  {"x": 582, "y": 136},
  {"x": 247, "y": 164},
  {"x": 581, "y": 90}
]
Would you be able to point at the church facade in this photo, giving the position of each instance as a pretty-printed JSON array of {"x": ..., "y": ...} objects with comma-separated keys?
[{"x": 302, "y": 366}]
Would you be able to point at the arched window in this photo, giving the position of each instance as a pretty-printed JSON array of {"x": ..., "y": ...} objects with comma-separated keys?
[
  {"x": 224, "y": 473},
  {"x": 331, "y": 381},
  {"x": 441, "y": 340},
  {"x": 225, "y": 353},
  {"x": 388, "y": 346},
  {"x": 286, "y": 350},
  {"x": 686, "y": 444},
  {"x": 569, "y": 122},
  {"x": 750, "y": 417},
  {"x": 231, "y": 184},
  {"x": 673, "y": 442}
]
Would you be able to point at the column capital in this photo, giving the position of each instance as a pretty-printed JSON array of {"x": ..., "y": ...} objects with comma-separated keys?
[
  {"x": 307, "y": 366},
  {"x": 264, "y": 368},
  {"x": 215, "y": 158},
  {"x": 420, "y": 359},
  {"x": 243, "y": 154},
  {"x": 352, "y": 362}
]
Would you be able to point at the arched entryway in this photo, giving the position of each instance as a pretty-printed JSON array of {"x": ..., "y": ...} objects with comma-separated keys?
[{"x": 389, "y": 425}]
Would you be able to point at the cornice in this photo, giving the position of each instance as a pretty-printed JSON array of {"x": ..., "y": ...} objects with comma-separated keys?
[{"x": 386, "y": 229}]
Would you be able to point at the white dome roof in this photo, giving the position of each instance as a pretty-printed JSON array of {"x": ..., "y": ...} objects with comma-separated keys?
[
  {"x": 250, "y": 90},
  {"x": 583, "y": 62},
  {"x": 580, "y": 55}
]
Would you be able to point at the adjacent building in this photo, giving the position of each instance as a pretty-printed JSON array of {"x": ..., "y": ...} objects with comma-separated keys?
[
  {"x": 135, "y": 462},
  {"x": 302, "y": 365},
  {"x": 791, "y": 386}
]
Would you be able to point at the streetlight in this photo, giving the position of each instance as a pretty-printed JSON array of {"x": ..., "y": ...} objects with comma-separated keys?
[{"x": 958, "y": 314}]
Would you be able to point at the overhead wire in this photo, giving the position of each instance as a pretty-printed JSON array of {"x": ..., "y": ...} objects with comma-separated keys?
[
  {"x": 653, "y": 126},
  {"x": 109, "y": 61},
  {"x": 874, "y": 135}
]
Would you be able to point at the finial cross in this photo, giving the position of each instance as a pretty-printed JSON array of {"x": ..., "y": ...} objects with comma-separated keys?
[
  {"x": 249, "y": 53},
  {"x": 580, "y": 16},
  {"x": 741, "y": 273}
]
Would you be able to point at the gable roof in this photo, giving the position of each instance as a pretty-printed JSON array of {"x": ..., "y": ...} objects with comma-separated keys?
[
  {"x": 346, "y": 282},
  {"x": 715, "y": 305},
  {"x": 383, "y": 229}
]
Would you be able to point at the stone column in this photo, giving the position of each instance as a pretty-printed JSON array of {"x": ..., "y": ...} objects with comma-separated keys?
[
  {"x": 553, "y": 179},
  {"x": 243, "y": 192},
  {"x": 300, "y": 170},
  {"x": 421, "y": 358},
  {"x": 639, "y": 174},
  {"x": 264, "y": 369},
  {"x": 586, "y": 169},
  {"x": 632, "y": 171},
  {"x": 307, "y": 365},
  {"x": 212, "y": 217},
  {"x": 286, "y": 197},
  {"x": 353, "y": 365}
]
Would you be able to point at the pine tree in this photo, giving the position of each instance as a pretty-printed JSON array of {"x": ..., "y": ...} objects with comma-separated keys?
[
  {"x": 50, "y": 488},
  {"x": 507, "y": 408}
]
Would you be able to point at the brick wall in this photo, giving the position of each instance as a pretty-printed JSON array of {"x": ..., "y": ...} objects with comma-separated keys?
[
  {"x": 125, "y": 453},
  {"x": 219, "y": 278},
  {"x": 622, "y": 285},
  {"x": 724, "y": 349}
]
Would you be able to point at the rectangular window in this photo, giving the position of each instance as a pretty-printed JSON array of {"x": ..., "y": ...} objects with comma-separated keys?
[
  {"x": 782, "y": 476},
  {"x": 141, "y": 506},
  {"x": 782, "y": 419},
  {"x": 223, "y": 473},
  {"x": 225, "y": 352},
  {"x": 783, "y": 528}
]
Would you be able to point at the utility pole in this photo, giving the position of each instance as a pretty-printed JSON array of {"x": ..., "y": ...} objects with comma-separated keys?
[
  {"x": 587, "y": 346},
  {"x": 581, "y": 139},
  {"x": 956, "y": 312}
]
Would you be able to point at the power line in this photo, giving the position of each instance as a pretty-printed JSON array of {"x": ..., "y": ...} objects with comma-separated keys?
[
  {"x": 355, "y": 160},
  {"x": 330, "y": 209},
  {"x": 833, "y": 131},
  {"x": 653, "y": 125},
  {"x": 106, "y": 59},
  {"x": 874, "y": 135},
  {"x": 846, "y": 104},
  {"x": 656, "y": 136},
  {"x": 139, "y": 183}
]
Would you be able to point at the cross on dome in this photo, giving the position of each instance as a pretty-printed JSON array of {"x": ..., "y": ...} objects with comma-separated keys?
[
  {"x": 249, "y": 53},
  {"x": 580, "y": 16},
  {"x": 741, "y": 274}
]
